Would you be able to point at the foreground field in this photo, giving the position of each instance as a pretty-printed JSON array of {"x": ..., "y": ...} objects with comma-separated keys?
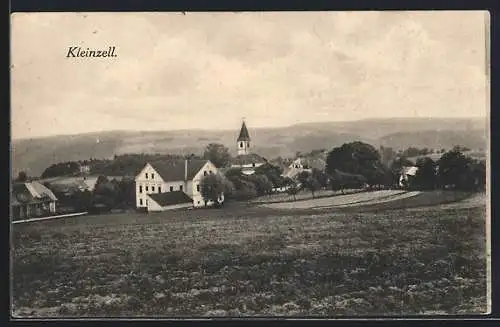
[{"x": 253, "y": 261}]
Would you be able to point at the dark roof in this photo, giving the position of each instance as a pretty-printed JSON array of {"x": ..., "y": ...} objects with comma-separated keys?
[
  {"x": 171, "y": 198},
  {"x": 245, "y": 159},
  {"x": 244, "y": 136},
  {"x": 173, "y": 170}
]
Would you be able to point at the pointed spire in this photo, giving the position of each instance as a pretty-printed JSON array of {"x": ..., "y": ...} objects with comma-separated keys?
[{"x": 244, "y": 136}]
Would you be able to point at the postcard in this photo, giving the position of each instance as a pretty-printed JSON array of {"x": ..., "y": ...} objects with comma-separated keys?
[{"x": 195, "y": 165}]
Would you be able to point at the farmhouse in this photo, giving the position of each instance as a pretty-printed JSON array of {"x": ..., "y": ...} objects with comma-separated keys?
[
  {"x": 304, "y": 164},
  {"x": 172, "y": 184},
  {"x": 245, "y": 160},
  {"x": 407, "y": 173},
  {"x": 31, "y": 199}
]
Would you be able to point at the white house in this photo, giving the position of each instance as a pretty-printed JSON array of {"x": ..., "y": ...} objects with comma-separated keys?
[
  {"x": 172, "y": 184},
  {"x": 245, "y": 160},
  {"x": 304, "y": 164}
]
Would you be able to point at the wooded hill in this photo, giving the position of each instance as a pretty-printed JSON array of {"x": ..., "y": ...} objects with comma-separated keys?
[{"x": 35, "y": 155}]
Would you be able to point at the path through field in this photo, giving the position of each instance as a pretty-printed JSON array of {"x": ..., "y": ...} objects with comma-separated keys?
[{"x": 338, "y": 200}]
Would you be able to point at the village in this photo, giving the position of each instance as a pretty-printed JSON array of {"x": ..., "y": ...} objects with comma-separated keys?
[
  {"x": 275, "y": 164},
  {"x": 155, "y": 183},
  {"x": 350, "y": 230}
]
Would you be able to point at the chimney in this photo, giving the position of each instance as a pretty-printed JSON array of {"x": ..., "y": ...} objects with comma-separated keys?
[{"x": 185, "y": 170}]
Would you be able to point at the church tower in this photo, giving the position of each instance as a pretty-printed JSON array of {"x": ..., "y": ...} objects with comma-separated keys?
[{"x": 243, "y": 142}]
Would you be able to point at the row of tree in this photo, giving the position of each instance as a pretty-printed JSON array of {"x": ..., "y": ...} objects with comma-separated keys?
[
  {"x": 352, "y": 165},
  {"x": 453, "y": 170},
  {"x": 357, "y": 165},
  {"x": 106, "y": 195}
]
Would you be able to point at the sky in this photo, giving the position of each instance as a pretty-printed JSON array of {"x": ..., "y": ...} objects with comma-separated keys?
[{"x": 210, "y": 70}]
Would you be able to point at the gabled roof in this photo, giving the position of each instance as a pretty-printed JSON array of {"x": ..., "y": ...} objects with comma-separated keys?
[
  {"x": 310, "y": 162},
  {"x": 245, "y": 159},
  {"x": 173, "y": 170},
  {"x": 32, "y": 192},
  {"x": 171, "y": 198},
  {"x": 244, "y": 136}
]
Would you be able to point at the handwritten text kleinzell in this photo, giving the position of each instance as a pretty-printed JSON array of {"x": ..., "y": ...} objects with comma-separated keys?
[{"x": 78, "y": 52}]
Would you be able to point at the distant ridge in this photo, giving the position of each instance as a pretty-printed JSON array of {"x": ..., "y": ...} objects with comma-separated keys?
[{"x": 35, "y": 154}]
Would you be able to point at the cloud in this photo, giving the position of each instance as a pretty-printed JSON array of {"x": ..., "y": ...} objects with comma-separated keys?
[{"x": 205, "y": 70}]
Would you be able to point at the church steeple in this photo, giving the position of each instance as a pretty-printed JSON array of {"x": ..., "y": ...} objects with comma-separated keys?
[{"x": 243, "y": 141}]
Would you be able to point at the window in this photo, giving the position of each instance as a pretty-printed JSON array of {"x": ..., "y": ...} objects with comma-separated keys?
[
  {"x": 171, "y": 188},
  {"x": 152, "y": 176},
  {"x": 147, "y": 188},
  {"x": 159, "y": 189},
  {"x": 253, "y": 164},
  {"x": 198, "y": 187},
  {"x": 146, "y": 201},
  {"x": 146, "y": 175},
  {"x": 211, "y": 172},
  {"x": 140, "y": 189},
  {"x": 140, "y": 202},
  {"x": 152, "y": 188},
  {"x": 180, "y": 187},
  {"x": 241, "y": 144},
  {"x": 198, "y": 202},
  {"x": 204, "y": 173}
]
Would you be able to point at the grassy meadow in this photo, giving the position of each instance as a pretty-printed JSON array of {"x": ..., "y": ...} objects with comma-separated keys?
[{"x": 253, "y": 261}]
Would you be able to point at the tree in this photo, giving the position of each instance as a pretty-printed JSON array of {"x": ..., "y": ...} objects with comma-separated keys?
[
  {"x": 356, "y": 158},
  {"x": 245, "y": 191},
  {"x": 262, "y": 184},
  {"x": 455, "y": 170},
  {"x": 425, "y": 177},
  {"x": 303, "y": 176},
  {"x": 309, "y": 182},
  {"x": 61, "y": 169},
  {"x": 235, "y": 176},
  {"x": 272, "y": 172},
  {"x": 293, "y": 189},
  {"x": 321, "y": 177},
  {"x": 213, "y": 188},
  {"x": 21, "y": 177},
  {"x": 218, "y": 154},
  {"x": 340, "y": 180},
  {"x": 125, "y": 193},
  {"x": 104, "y": 193},
  {"x": 81, "y": 200}
]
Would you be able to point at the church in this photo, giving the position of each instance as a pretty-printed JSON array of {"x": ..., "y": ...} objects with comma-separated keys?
[{"x": 245, "y": 159}]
